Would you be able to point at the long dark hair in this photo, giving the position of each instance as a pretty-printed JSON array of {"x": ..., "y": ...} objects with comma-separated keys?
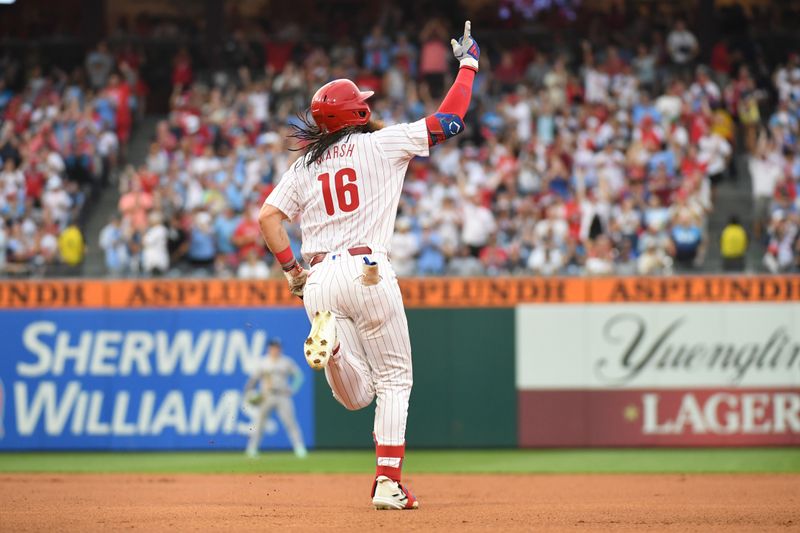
[{"x": 315, "y": 142}]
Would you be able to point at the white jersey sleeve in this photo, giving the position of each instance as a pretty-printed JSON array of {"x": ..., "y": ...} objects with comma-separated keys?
[
  {"x": 401, "y": 142},
  {"x": 285, "y": 196},
  {"x": 349, "y": 195}
]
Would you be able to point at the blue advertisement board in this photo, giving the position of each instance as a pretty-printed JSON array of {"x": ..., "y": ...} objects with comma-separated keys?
[{"x": 141, "y": 379}]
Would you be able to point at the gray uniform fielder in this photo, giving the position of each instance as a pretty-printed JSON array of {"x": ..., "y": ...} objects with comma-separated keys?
[{"x": 277, "y": 378}]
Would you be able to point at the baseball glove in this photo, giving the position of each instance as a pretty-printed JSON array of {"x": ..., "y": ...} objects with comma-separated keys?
[
  {"x": 296, "y": 277},
  {"x": 254, "y": 398}
]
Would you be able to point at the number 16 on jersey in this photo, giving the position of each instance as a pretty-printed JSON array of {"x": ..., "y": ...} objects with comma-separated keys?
[{"x": 344, "y": 181}]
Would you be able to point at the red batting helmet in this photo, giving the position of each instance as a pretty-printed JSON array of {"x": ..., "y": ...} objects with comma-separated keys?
[{"x": 339, "y": 104}]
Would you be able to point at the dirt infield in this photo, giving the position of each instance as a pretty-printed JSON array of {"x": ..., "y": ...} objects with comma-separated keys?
[{"x": 39, "y": 502}]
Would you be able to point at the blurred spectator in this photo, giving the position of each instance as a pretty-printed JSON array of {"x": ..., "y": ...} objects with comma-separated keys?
[
  {"x": 119, "y": 94},
  {"x": 376, "y": 50},
  {"x": 682, "y": 45},
  {"x": 177, "y": 240},
  {"x": 182, "y": 73},
  {"x": 546, "y": 258},
  {"x": 47, "y": 242},
  {"x": 56, "y": 200},
  {"x": 435, "y": 54},
  {"x": 715, "y": 153},
  {"x": 247, "y": 236},
  {"x": 687, "y": 239},
  {"x": 655, "y": 237},
  {"x": 733, "y": 246},
  {"x": 405, "y": 247},
  {"x": 99, "y": 64},
  {"x": 783, "y": 249},
  {"x": 556, "y": 83},
  {"x": 720, "y": 62},
  {"x": 495, "y": 259},
  {"x": 71, "y": 247},
  {"x": 654, "y": 260},
  {"x": 202, "y": 249},
  {"x": 404, "y": 55},
  {"x": 765, "y": 172},
  {"x": 600, "y": 259},
  {"x": 478, "y": 224},
  {"x": 135, "y": 205},
  {"x": 645, "y": 64},
  {"x": 465, "y": 264},
  {"x": 744, "y": 99},
  {"x": 626, "y": 264},
  {"x": 155, "y": 255},
  {"x": 225, "y": 226},
  {"x": 253, "y": 267},
  {"x": 507, "y": 73},
  {"x": 431, "y": 260},
  {"x": 704, "y": 89},
  {"x": 113, "y": 243}
]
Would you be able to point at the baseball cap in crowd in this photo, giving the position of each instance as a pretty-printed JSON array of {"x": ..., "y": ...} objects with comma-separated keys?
[{"x": 275, "y": 341}]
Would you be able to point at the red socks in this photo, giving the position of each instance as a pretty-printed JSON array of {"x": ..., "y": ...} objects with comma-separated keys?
[{"x": 389, "y": 461}]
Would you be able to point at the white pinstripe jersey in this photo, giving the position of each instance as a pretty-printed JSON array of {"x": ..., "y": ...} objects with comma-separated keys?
[{"x": 349, "y": 196}]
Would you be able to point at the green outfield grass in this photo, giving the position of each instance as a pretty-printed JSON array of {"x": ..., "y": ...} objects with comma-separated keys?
[{"x": 767, "y": 460}]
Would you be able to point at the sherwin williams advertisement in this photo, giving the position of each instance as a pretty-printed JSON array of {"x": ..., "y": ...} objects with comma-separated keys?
[{"x": 140, "y": 379}]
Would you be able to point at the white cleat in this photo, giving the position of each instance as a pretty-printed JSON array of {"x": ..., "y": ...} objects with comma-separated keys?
[
  {"x": 321, "y": 340},
  {"x": 391, "y": 495}
]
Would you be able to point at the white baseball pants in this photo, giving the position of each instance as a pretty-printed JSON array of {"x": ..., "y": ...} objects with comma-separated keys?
[{"x": 374, "y": 359}]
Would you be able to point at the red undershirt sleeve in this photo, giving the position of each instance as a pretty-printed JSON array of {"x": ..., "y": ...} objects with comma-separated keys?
[{"x": 449, "y": 118}]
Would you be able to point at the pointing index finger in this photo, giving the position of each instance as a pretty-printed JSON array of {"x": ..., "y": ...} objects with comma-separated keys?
[{"x": 467, "y": 30}]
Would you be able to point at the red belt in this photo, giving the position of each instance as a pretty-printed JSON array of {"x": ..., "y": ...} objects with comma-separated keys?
[{"x": 356, "y": 250}]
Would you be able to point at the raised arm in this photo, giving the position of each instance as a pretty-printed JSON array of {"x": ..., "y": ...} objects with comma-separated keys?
[{"x": 448, "y": 120}]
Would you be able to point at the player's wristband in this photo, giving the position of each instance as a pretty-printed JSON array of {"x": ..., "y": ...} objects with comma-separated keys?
[
  {"x": 293, "y": 271},
  {"x": 286, "y": 259},
  {"x": 469, "y": 62}
]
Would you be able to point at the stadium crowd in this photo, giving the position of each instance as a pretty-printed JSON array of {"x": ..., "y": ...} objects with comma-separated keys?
[
  {"x": 61, "y": 136},
  {"x": 592, "y": 159},
  {"x": 775, "y": 171}
]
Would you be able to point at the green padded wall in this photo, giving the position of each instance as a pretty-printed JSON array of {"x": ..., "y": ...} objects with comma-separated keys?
[{"x": 464, "y": 393}]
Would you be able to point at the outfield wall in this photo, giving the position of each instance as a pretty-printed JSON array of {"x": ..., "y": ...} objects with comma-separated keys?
[
  {"x": 665, "y": 375},
  {"x": 463, "y": 392},
  {"x": 139, "y": 379},
  {"x": 157, "y": 364}
]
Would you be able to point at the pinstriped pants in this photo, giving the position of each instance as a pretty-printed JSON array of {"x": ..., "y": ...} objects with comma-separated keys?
[{"x": 374, "y": 359}]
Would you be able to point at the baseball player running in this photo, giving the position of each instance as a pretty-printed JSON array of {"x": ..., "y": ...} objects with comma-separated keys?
[
  {"x": 346, "y": 189},
  {"x": 279, "y": 378}
]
